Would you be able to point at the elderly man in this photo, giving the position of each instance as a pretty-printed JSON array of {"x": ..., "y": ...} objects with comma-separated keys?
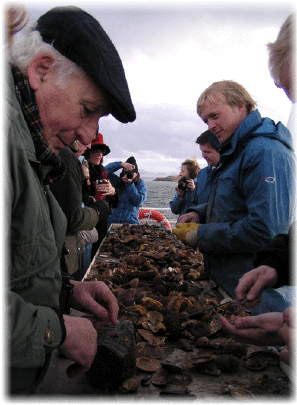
[
  {"x": 252, "y": 196},
  {"x": 64, "y": 75}
]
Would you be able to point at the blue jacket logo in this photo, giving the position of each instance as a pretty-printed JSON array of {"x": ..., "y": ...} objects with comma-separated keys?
[{"x": 269, "y": 179}]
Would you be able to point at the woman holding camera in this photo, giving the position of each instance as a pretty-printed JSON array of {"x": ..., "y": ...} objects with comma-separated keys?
[
  {"x": 185, "y": 187},
  {"x": 131, "y": 189},
  {"x": 98, "y": 186}
]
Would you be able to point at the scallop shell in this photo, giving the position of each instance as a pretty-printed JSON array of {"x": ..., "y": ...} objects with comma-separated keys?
[
  {"x": 255, "y": 364},
  {"x": 131, "y": 384},
  {"x": 147, "y": 364},
  {"x": 146, "y": 350},
  {"x": 181, "y": 379},
  {"x": 160, "y": 378},
  {"x": 151, "y": 338}
]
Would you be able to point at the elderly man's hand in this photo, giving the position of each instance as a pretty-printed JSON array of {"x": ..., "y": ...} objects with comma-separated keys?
[
  {"x": 96, "y": 299},
  {"x": 80, "y": 344}
]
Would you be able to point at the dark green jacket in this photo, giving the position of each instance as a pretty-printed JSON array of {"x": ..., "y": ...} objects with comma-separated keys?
[
  {"x": 36, "y": 228},
  {"x": 68, "y": 193}
]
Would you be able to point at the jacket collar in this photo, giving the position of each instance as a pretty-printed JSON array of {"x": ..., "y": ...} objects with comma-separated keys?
[{"x": 247, "y": 126}]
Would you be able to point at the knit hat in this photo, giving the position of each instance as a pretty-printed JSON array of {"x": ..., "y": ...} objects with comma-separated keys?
[
  {"x": 132, "y": 161},
  {"x": 98, "y": 143},
  {"x": 79, "y": 37}
]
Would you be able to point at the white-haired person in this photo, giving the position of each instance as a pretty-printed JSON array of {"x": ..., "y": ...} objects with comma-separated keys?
[{"x": 63, "y": 76}]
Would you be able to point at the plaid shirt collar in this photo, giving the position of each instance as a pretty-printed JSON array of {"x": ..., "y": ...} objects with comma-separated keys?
[{"x": 26, "y": 97}]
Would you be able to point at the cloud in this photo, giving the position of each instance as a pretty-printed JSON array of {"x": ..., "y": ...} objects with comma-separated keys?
[{"x": 171, "y": 52}]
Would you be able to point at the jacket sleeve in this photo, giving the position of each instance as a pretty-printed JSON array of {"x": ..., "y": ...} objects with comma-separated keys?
[
  {"x": 113, "y": 167},
  {"x": 83, "y": 218},
  {"x": 137, "y": 193},
  {"x": 277, "y": 256},
  {"x": 28, "y": 323},
  {"x": 176, "y": 205},
  {"x": 264, "y": 186},
  {"x": 31, "y": 326}
]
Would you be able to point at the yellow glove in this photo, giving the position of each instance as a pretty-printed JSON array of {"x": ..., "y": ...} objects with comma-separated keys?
[{"x": 181, "y": 230}]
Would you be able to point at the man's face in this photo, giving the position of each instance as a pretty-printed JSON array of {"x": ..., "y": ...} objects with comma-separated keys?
[
  {"x": 210, "y": 154},
  {"x": 70, "y": 113},
  {"x": 82, "y": 148},
  {"x": 222, "y": 119}
]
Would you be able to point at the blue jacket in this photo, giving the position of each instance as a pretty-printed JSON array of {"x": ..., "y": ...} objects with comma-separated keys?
[
  {"x": 252, "y": 199},
  {"x": 180, "y": 207},
  {"x": 131, "y": 198},
  {"x": 202, "y": 189}
]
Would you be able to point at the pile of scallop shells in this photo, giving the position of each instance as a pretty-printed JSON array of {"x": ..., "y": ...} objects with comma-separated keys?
[{"x": 161, "y": 286}]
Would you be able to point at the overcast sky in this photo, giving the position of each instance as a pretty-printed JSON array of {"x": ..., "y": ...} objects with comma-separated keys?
[{"x": 171, "y": 52}]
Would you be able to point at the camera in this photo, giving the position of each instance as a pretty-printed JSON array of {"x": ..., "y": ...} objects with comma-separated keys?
[
  {"x": 182, "y": 184},
  {"x": 129, "y": 174},
  {"x": 99, "y": 181}
]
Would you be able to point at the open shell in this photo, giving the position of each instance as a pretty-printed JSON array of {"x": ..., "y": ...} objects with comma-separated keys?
[{"x": 146, "y": 364}]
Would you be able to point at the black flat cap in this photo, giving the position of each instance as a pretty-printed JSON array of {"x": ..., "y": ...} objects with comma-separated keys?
[{"x": 79, "y": 37}]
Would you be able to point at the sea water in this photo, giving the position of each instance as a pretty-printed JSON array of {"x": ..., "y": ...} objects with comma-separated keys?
[{"x": 159, "y": 195}]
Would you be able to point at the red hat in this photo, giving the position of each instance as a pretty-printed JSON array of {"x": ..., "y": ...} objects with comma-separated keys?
[{"x": 98, "y": 143}]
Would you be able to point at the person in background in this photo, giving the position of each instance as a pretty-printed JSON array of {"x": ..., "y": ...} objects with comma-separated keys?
[
  {"x": 209, "y": 147},
  {"x": 55, "y": 93},
  {"x": 254, "y": 178},
  {"x": 100, "y": 187},
  {"x": 182, "y": 199},
  {"x": 131, "y": 189},
  {"x": 68, "y": 193},
  {"x": 281, "y": 61},
  {"x": 88, "y": 237}
]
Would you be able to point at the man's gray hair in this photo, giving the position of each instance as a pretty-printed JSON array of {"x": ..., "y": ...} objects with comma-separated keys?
[{"x": 28, "y": 43}]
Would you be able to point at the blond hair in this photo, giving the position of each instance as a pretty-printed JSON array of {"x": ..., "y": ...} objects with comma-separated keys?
[
  {"x": 192, "y": 166},
  {"x": 16, "y": 19},
  {"x": 227, "y": 91},
  {"x": 282, "y": 51}
]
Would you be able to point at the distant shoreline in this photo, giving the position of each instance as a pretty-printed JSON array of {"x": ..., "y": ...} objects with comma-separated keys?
[{"x": 167, "y": 178}]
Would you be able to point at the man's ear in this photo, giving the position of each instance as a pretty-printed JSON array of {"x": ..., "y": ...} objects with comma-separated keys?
[{"x": 39, "y": 68}]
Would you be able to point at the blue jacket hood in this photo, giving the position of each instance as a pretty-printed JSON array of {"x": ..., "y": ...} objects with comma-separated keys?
[{"x": 259, "y": 126}]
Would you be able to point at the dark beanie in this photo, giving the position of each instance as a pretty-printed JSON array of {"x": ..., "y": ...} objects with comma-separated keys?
[{"x": 132, "y": 161}]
